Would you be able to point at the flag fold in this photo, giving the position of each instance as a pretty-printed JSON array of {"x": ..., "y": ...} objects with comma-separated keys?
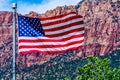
[{"x": 50, "y": 35}]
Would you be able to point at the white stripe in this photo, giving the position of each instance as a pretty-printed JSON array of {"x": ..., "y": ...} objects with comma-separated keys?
[
  {"x": 64, "y": 30},
  {"x": 61, "y": 37},
  {"x": 50, "y": 49},
  {"x": 50, "y": 43},
  {"x": 62, "y": 24},
  {"x": 53, "y": 20}
]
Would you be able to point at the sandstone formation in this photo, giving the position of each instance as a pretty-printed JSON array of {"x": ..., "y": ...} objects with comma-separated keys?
[
  {"x": 102, "y": 22},
  {"x": 102, "y": 33}
]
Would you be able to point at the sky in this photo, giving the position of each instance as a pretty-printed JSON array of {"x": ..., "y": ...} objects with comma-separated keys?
[{"x": 39, "y": 6}]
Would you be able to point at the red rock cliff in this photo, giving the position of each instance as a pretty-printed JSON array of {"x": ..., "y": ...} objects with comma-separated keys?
[{"x": 102, "y": 22}]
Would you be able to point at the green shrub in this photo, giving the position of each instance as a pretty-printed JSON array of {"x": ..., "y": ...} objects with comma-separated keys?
[{"x": 98, "y": 69}]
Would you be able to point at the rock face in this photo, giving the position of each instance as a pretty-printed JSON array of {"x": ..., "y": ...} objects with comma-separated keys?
[
  {"x": 102, "y": 33},
  {"x": 5, "y": 17},
  {"x": 102, "y": 22},
  {"x": 54, "y": 12}
]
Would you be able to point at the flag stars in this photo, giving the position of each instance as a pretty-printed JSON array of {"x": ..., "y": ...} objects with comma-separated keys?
[
  {"x": 20, "y": 34},
  {"x": 19, "y": 22},
  {"x": 20, "y": 30},
  {"x": 29, "y": 26},
  {"x": 25, "y": 26},
  {"x": 27, "y": 32},
  {"x": 20, "y": 26}
]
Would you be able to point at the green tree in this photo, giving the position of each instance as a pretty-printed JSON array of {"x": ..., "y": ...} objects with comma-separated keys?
[{"x": 98, "y": 69}]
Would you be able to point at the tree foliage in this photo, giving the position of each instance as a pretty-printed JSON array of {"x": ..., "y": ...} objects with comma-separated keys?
[{"x": 97, "y": 69}]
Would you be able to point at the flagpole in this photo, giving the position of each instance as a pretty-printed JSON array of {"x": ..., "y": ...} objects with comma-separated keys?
[{"x": 14, "y": 6}]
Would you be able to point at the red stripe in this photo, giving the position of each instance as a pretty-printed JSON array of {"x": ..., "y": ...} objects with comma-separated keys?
[
  {"x": 50, "y": 52},
  {"x": 59, "y": 16},
  {"x": 64, "y": 26},
  {"x": 60, "y": 21},
  {"x": 64, "y": 33},
  {"x": 52, "y": 46},
  {"x": 53, "y": 40},
  {"x": 47, "y": 24}
]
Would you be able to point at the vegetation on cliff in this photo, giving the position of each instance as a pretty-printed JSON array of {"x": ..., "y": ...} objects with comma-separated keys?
[
  {"x": 109, "y": 63},
  {"x": 97, "y": 69}
]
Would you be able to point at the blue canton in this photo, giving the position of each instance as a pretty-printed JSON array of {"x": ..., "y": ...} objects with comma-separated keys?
[{"x": 29, "y": 27}]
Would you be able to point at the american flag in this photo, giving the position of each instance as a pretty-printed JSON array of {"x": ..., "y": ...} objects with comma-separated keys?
[{"x": 50, "y": 35}]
